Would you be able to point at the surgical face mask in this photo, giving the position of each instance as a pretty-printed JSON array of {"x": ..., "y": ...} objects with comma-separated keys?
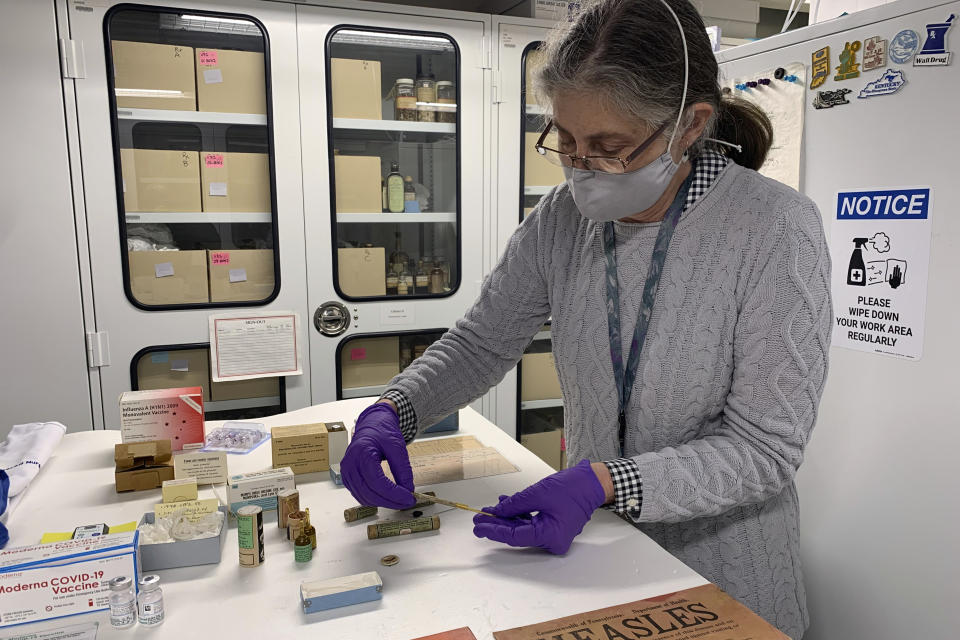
[{"x": 604, "y": 197}]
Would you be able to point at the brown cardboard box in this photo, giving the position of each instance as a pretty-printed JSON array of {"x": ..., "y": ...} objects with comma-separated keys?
[
  {"x": 547, "y": 445},
  {"x": 301, "y": 447},
  {"x": 168, "y": 277},
  {"x": 154, "y": 76},
  {"x": 240, "y": 275},
  {"x": 173, "y": 369},
  {"x": 533, "y": 60},
  {"x": 537, "y": 170},
  {"x": 336, "y": 441},
  {"x": 538, "y": 377},
  {"x": 356, "y": 89},
  {"x": 142, "y": 465},
  {"x": 235, "y": 181},
  {"x": 243, "y": 389},
  {"x": 362, "y": 271},
  {"x": 357, "y": 184},
  {"x": 231, "y": 81},
  {"x": 160, "y": 180},
  {"x": 369, "y": 362}
]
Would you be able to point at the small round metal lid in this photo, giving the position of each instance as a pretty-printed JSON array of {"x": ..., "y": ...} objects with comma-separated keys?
[
  {"x": 121, "y": 583},
  {"x": 389, "y": 561},
  {"x": 150, "y": 582}
]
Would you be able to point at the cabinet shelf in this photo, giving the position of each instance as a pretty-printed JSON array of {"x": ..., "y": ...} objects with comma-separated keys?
[
  {"x": 540, "y": 404},
  {"x": 537, "y": 190},
  {"x": 363, "y": 392},
  {"x": 536, "y": 109},
  {"x": 393, "y": 125},
  {"x": 196, "y": 217},
  {"x": 394, "y": 218},
  {"x": 197, "y": 117}
]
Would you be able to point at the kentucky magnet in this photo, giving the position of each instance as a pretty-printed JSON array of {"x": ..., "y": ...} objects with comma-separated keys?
[
  {"x": 889, "y": 82},
  {"x": 849, "y": 67},
  {"x": 903, "y": 45},
  {"x": 827, "y": 99},
  {"x": 821, "y": 67},
  {"x": 874, "y": 53},
  {"x": 934, "y": 52}
]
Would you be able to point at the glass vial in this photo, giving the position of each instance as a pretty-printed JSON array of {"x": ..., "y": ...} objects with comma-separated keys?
[
  {"x": 426, "y": 98},
  {"x": 151, "y": 601},
  {"x": 123, "y": 603},
  {"x": 405, "y": 100},
  {"x": 302, "y": 549},
  {"x": 395, "y": 189},
  {"x": 423, "y": 277},
  {"x": 409, "y": 194},
  {"x": 310, "y": 530},
  {"x": 447, "y": 100}
]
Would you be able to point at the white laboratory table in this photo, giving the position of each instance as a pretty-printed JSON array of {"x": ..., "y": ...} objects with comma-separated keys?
[{"x": 445, "y": 579}]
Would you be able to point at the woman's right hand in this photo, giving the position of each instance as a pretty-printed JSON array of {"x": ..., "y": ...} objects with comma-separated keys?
[{"x": 377, "y": 437}]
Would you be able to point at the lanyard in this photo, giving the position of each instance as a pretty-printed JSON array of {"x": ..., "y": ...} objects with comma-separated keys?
[{"x": 625, "y": 376}]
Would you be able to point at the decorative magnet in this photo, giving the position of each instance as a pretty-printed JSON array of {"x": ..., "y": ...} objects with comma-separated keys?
[
  {"x": 874, "y": 53},
  {"x": 780, "y": 73},
  {"x": 820, "y": 68},
  {"x": 889, "y": 82},
  {"x": 849, "y": 67},
  {"x": 903, "y": 45},
  {"x": 934, "y": 52},
  {"x": 828, "y": 99}
]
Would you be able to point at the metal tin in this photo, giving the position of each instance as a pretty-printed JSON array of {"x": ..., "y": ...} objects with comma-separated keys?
[
  {"x": 389, "y": 561},
  {"x": 392, "y": 528},
  {"x": 295, "y": 522},
  {"x": 288, "y": 501},
  {"x": 359, "y": 513},
  {"x": 250, "y": 535}
]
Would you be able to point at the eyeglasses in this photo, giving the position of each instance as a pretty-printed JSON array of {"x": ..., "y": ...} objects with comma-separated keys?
[{"x": 606, "y": 164}]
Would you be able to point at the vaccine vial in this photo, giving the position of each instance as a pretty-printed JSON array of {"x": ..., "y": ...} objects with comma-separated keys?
[
  {"x": 151, "y": 601},
  {"x": 123, "y": 603}
]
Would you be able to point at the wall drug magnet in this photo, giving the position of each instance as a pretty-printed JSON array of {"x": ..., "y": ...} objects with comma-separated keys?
[
  {"x": 903, "y": 45},
  {"x": 820, "y": 67},
  {"x": 828, "y": 99},
  {"x": 849, "y": 67},
  {"x": 889, "y": 82},
  {"x": 874, "y": 53},
  {"x": 934, "y": 52}
]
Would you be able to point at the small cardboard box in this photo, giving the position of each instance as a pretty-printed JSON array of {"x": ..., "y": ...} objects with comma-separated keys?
[
  {"x": 235, "y": 182},
  {"x": 142, "y": 465},
  {"x": 175, "y": 415},
  {"x": 160, "y": 180},
  {"x": 259, "y": 488},
  {"x": 537, "y": 170},
  {"x": 179, "y": 490},
  {"x": 230, "y": 81},
  {"x": 538, "y": 377},
  {"x": 336, "y": 441},
  {"x": 357, "y": 184},
  {"x": 356, "y": 88},
  {"x": 547, "y": 445},
  {"x": 175, "y": 369},
  {"x": 320, "y": 595},
  {"x": 369, "y": 362},
  {"x": 301, "y": 447},
  {"x": 169, "y": 277},
  {"x": 362, "y": 271},
  {"x": 240, "y": 275},
  {"x": 182, "y": 553},
  {"x": 153, "y": 76},
  {"x": 242, "y": 389}
]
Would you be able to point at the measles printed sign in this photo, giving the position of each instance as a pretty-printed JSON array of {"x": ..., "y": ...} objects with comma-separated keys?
[{"x": 880, "y": 248}]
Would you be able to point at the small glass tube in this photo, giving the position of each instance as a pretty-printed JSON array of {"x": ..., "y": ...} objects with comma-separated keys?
[
  {"x": 151, "y": 601},
  {"x": 123, "y": 603}
]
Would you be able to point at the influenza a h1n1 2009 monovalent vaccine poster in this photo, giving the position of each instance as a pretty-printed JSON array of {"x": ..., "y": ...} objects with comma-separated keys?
[{"x": 880, "y": 247}]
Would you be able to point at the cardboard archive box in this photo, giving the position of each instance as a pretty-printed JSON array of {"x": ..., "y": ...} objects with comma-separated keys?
[
  {"x": 357, "y": 184},
  {"x": 362, "y": 271},
  {"x": 369, "y": 362},
  {"x": 230, "y": 81},
  {"x": 142, "y": 465},
  {"x": 538, "y": 377},
  {"x": 235, "y": 181},
  {"x": 537, "y": 170},
  {"x": 168, "y": 277},
  {"x": 240, "y": 275},
  {"x": 302, "y": 447},
  {"x": 153, "y": 76},
  {"x": 355, "y": 88},
  {"x": 547, "y": 445},
  {"x": 174, "y": 369},
  {"x": 160, "y": 180}
]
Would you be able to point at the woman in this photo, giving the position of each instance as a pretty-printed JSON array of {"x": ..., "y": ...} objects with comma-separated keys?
[{"x": 690, "y": 313}]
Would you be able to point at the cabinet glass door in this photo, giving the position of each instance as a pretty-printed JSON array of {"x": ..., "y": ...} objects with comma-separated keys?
[
  {"x": 193, "y": 155},
  {"x": 394, "y": 125},
  {"x": 538, "y": 174},
  {"x": 540, "y": 410}
]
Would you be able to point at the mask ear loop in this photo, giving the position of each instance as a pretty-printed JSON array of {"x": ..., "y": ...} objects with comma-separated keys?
[
  {"x": 725, "y": 143},
  {"x": 686, "y": 77}
]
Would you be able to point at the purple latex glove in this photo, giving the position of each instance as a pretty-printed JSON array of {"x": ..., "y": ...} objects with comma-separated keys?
[
  {"x": 563, "y": 501},
  {"x": 377, "y": 437}
]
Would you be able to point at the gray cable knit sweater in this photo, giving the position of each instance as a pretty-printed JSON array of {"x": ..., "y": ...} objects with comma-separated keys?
[{"x": 728, "y": 382}]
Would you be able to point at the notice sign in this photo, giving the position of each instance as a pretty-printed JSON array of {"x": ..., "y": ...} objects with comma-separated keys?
[{"x": 880, "y": 247}]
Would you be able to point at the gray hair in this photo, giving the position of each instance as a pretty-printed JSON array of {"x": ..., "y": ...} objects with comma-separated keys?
[{"x": 630, "y": 55}]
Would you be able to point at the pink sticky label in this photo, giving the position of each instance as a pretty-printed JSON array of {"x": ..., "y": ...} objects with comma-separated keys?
[
  {"x": 563, "y": 443},
  {"x": 213, "y": 159},
  {"x": 207, "y": 58},
  {"x": 220, "y": 257},
  {"x": 358, "y": 353}
]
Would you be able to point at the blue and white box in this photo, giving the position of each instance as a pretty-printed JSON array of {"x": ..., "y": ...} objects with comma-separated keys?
[
  {"x": 320, "y": 595},
  {"x": 61, "y": 579},
  {"x": 259, "y": 488}
]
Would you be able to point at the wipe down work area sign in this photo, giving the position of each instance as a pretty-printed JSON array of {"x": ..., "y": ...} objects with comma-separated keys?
[{"x": 880, "y": 247}]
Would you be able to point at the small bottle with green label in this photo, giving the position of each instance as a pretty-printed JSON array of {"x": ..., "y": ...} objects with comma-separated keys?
[
  {"x": 395, "y": 189},
  {"x": 302, "y": 547}
]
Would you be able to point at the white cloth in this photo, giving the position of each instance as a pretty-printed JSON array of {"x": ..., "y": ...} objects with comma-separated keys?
[{"x": 22, "y": 455}]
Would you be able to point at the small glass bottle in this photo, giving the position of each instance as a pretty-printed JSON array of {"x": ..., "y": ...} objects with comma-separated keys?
[
  {"x": 123, "y": 603},
  {"x": 422, "y": 280},
  {"x": 302, "y": 549},
  {"x": 151, "y": 601},
  {"x": 310, "y": 530},
  {"x": 393, "y": 282},
  {"x": 445, "y": 266},
  {"x": 436, "y": 279},
  {"x": 426, "y": 98},
  {"x": 409, "y": 193},
  {"x": 403, "y": 282},
  {"x": 395, "y": 189},
  {"x": 447, "y": 99},
  {"x": 405, "y": 100},
  {"x": 398, "y": 259}
]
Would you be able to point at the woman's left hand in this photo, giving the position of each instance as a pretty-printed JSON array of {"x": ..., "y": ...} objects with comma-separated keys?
[{"x": 563, "y": 503}]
